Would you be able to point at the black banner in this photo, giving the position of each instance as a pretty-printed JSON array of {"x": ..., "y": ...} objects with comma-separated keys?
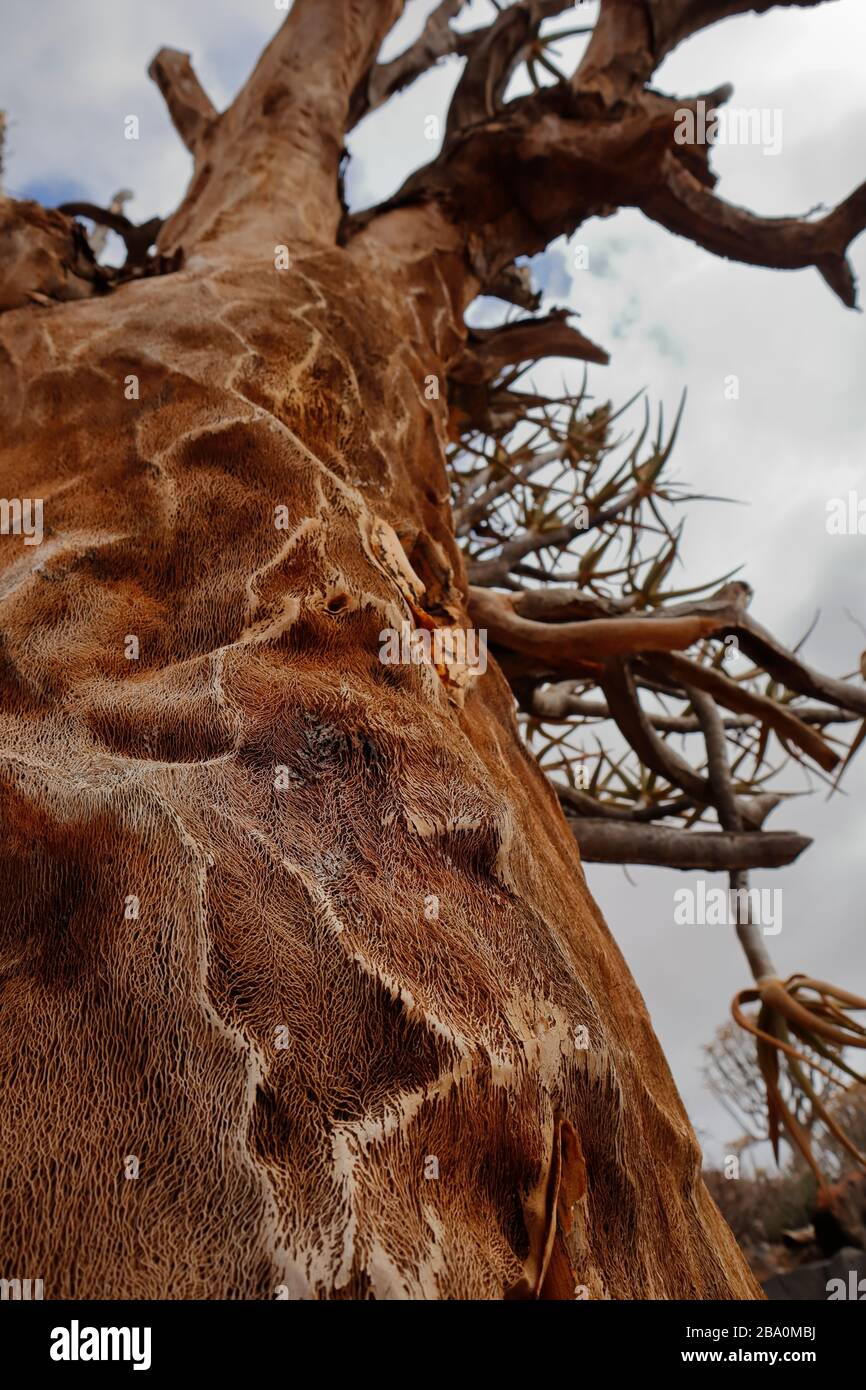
[{"x": 223, "y": 1339}]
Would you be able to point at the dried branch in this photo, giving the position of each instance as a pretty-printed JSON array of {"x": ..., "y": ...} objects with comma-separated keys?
[
  {"x": 513, "y": 283},
  {"x": 512, "y": 177},
  {"x": 617, "y": 682},
  {"x": 558, "y": 701},
  {"x": 613, "y": 842},
  {"x": 192, "y": 112},
  {"x": 632, "y": 37},
  {"x": 736, "y": 697},
  {"x": 675, "y": 20},
  {"x": 684, "y": 205},
  {"x": 98, "y": 235},
  {"x": 437, "y": 40},
  {"x": 791, "y": 671},
  {"x": 562, "y": 645},
  {"x": 488, "y": 350},
  {"x": 137, "y": 240},
  {"x": 493, "y": 58},
  {"x": 556, "y": 604}
]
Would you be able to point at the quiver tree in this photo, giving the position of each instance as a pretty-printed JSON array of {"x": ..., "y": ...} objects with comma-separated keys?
[{"x": 306, "y": 990}]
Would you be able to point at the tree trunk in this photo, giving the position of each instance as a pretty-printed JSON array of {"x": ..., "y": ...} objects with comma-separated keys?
[{"x": 304, "y": 986}]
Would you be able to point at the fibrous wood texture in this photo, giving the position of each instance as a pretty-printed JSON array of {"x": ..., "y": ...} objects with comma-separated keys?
[
  {"x": 303, "y": 934},
  {"x": 303, "y": 907}
]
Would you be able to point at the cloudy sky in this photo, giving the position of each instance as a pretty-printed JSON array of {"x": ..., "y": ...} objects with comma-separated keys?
[{"x": 672, "y": 316}]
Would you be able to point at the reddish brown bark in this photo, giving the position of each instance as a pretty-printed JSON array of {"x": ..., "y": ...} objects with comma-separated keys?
[{"x": 301, "y": 913}]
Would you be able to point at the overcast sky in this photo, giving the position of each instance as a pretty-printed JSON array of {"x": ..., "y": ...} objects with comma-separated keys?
[{"x": 671, "y": 315}]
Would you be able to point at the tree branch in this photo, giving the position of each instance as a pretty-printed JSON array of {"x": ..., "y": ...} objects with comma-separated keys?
[
  {"x": 488, "y": 350},
  {"x": 675, "y": 20},
  {"x": 512, "y": 178},
  {"x": 718, "y": 771},
  {"x": 559, "y": 702},
  {"x": 787, "y": 668},
  {"x": 632, "y": 37},
  {"x": 436, "y": 40},
  {"x": 191, "y": 109},
  {"x": 98, "y": 235},
  {"x": 513, "y": 283},
  {"x": 280, "y": 143},
  {"x": 137, "y": 240},
  {"x": 493, "y": 57},
  {"x": 685, "y": 206},
  {"x": 561, "y": 603},
  {"x": 618, "y": 686},
  {"x": 731, "y": 819},
  {"x": 612, "y": 842},
  {"x": 560, "y": 645},
  {"x": 735, "y": 697},
  {"x": 723, "y": 612}
]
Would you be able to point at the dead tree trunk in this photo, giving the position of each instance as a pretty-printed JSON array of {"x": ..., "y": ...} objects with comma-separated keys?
[{"x": 303, "y": 983}]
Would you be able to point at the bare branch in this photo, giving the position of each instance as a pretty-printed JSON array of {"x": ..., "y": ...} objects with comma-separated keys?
[
  {"x": 492, "y": 59},
  {"x": 191, "y": 109},
  {"x": 560, "y": 645},
  {"x": 784, "y": 666},
  {"x": 620, "y": 56},
  {"x": 611, "y": 842},
  {"x": 558, "y": 701},
  {"x": 675, "y": 20},
  {"x": 473, "y": 510},
  {"x": 137, "y": 240},
  {"x": 511, "y": 178},
  {"x": 736, "y": 697},
  {"x": 685, "y": 206},
  {"x": 98, "y": 235},
  {"x": 632, "y": 37},
  {"x": 718, "y": 772},
  {"x": 731, "y": 819},
  {"x": 559, "y": 604},
  {"x": 488, "y": 350},
  {"x": 436, "y": 40},
  {"x": 496, "y": 571},
  {"x": 618, "y": 685}
]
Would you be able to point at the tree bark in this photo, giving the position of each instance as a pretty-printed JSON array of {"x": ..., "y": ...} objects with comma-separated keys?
[{"x": 303, "y": 934}]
